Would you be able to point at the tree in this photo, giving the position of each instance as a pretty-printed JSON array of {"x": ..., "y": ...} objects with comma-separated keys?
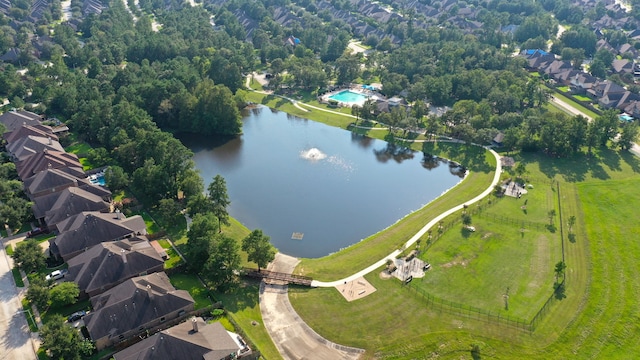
[
  {"x": 219, "y": 200},
  {"x": 116, "y": 178},
  {"x": 466, "y": 219},
  {"x": 628, "y": 135},
  {"x": 65, "y": 293},
  {"x": 551, "y": 214},
  {"x": 60, "y": 340},
  {"x": 572, "y": 221},
  {"x": 559, "y": 270},
  {"x": 38, "y": 294},
  {"x": 220, "y": 269},
  {"x": 169, "y": 211},
  {"x": 29, "y": 256},
  {"x": 200, "y": 238},
  {"x": 259, "y": 249}
]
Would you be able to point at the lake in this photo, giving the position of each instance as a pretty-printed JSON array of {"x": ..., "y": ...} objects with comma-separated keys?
[{"x": 315, "y": 189}]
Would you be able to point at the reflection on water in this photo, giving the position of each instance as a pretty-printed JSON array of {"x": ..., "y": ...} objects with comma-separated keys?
[
  {"x": 395, "y": 152},
  {"x": 286, "y": 175}
]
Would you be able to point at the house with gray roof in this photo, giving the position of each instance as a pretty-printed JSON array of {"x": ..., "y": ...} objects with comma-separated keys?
[
  {"x": 135, "y": 306},
  {"x": 108, "y": 264},
  {"x": 30, "y": 145},
  {"x": 190, "y": 340},
  {"x": 56, "y": 207},
  {"x": 81, "y": 231},
  {"x": 13, "y": 120},
  {"x": 47, "y": 159}
]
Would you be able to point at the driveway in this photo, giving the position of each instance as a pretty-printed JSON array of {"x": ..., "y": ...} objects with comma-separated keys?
[
  {"x": 15, "y": 338},
  {"x": 291, "y": 335}
]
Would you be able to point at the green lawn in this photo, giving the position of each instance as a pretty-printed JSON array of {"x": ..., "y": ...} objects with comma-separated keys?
[
  {"x": 79, "y": 148},
  {"x": 17, "y": 277},
  {"x": 564, "y": 89},
  {"x": 9, "y": 249},
  {"x": 596, "y": 319},
  {"x": 174, "y": 258},
  {"x": 243, "y": 307},
  {"x": 64, "y": 310},
  {"x": 520, "y": 261},
  {"x": 152, "y": 227},
  {"x": 191, "y": 283},
  {"x": 582, "y": 98},
  {"x": 579, "y": 107}
]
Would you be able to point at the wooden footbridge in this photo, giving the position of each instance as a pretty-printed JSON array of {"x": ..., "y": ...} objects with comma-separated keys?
[{"x": 274, "y": 275}]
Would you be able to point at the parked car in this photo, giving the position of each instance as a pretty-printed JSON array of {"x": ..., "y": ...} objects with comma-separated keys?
[
  {"x": 37, "y": 231},
  {"x": 76, "y": 316},
  {"x": 56, "y": 275}
]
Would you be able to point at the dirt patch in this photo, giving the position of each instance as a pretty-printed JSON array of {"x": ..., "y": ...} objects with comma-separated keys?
[
  {"x": 356, "y": 289},
  {"x": 456, "y": 262},
  {"x": 486, "y": 236},
  {"x": 384, "y": 275}
]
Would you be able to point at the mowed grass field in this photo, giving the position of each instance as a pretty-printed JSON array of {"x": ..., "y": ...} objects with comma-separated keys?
[{"x": 598, "y": 318}]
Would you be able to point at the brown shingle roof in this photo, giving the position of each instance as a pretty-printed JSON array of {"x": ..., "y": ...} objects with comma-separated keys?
[
  {"x": 134, "y": 304},
  {"x": 68, "y": 202},
  {"x": 87, "y": 229},
  {"x": 211, "y": 341},
  {"x": 108, "y": 264},
  {"x": 26, "y": 130},
  {"x": 31, "y": 145},
  {"x": 13, "y": 120},
  {"x": 46, "y": 160},
  {"x": 52, "y": 180}
]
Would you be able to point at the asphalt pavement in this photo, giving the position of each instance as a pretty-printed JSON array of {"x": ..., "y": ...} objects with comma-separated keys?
[{"x": 15, "y": 337}]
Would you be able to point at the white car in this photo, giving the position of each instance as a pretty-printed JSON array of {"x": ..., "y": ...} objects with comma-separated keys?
[{"x": 56, "y": 275}]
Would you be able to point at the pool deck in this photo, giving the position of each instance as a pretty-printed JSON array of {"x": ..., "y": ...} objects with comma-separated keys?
[{"x": 355, "y": 89}]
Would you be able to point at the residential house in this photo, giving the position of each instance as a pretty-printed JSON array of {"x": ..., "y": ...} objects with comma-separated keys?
[
  {"x": 564, "y": 77},
  {"x": 604, "y": 44},
  {"x": 582, "y": 82},
  {"x": 108, "y": 264},
  {"x": 136, "y": 305},
  {"x": 46, "y": 160},
  {"x": 617, "y": 99},
  {"x": 555, "y": 67},
  {"x": 26, "y": 130},
  {"x": 56, "y": 207},
  {"x": 633, "y": 109},
  {"x": 190, "y": 340},
  {"x": 13, "y": 120},
  {"x": 622, "y": 66},
  {"x": 86, "y": 229},
  {"x": 11, "y": 56},
  {"x": 30, "y": 145},
  {"x": 603, "y": 88},
  {"x": 627, "y": 48},
  {"x": 53, "y": 180}
]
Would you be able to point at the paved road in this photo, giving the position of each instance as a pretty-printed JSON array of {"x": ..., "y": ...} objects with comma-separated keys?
[
  {"x": 291, "y": 335},
  {"x": 15, "y": 338}
]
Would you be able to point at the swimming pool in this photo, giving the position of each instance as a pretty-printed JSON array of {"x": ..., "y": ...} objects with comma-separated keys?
[
  {"x": 348, "y": 96},
  {"x": 97, "y": 179}
]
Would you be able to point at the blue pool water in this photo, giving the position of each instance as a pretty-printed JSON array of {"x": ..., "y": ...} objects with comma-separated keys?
[
  {"x": 348, "y": 97},
  {"x": 99, "y": 180}
]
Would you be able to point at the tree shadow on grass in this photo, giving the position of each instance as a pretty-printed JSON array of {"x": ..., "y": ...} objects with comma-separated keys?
[
  {"x": 631, "y": 160},
  {"x": 572, "y": 238},
  {"x": 245, "y": 295},
  {"x": 559, "y": 292}
]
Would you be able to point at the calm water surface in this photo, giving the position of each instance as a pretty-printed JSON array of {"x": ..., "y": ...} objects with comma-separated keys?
[{"x": 289, "y": 175}]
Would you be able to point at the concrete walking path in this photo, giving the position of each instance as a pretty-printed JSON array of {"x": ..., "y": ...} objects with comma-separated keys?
[
  {"x": 421, "y": 232},
  {"x": 293, "y": 338}
]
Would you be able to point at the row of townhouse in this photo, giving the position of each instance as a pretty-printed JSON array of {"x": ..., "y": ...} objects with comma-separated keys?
[
  {"x": 605, "y": 93},
  {"x": 109, "y": 256}
]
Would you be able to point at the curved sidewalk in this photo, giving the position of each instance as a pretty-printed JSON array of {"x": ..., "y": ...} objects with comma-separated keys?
[
  {"x": 293, "y": 338},
  {"x": 421, "y": 232}
]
